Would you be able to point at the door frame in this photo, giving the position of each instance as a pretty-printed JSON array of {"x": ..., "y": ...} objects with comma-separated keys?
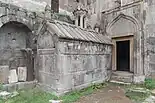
[{"x": 114, "y": 51}]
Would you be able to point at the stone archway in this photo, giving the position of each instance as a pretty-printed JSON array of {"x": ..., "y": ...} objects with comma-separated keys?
[
  {"x": 12, "y": 15},
  {"x": 122, "y": 24},
  {"x": 16, "y": 18},
  {"x": 122, "y": 29},
  {"x": 16, "y": 52}
]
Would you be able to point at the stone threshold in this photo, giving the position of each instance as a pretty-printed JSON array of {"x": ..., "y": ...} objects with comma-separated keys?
[
  {"x": 118, "y": 82},
  {"x": 122, "y": 77}
]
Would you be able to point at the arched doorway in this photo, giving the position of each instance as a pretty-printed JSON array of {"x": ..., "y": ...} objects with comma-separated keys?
[
  {"x": 124, "y": 33},
  {"x": 16, "y": 52}
]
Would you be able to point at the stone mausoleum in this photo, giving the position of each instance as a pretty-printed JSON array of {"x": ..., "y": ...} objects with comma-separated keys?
[
  {"x": 63, "y": 45},
  {"x": 70, "y": 57}
]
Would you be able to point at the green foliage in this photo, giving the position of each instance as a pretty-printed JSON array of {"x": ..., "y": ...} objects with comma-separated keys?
[
  {"x": 71, "y": 97},
  {"x": 139, "y": 93},
  {"x": 30, "y": 96},
  {"x": 98, "y": 86},
  {"x": 74, "y": 96},
  {"x": 137, "y": 96},
  {"x": 1, "y": 86},
  {"x": 150, "y": 83},
  {"x": 38, "y": 96}
]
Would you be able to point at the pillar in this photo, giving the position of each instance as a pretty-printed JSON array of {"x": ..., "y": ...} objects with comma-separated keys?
[
  {"x": 139, "y": 76},
  {"x": 76, "y": 21},
  {"x": 81, "y": 21}
]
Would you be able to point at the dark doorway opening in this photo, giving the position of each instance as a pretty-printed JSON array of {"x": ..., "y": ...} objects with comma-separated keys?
[{"x": 123, "y": 55}]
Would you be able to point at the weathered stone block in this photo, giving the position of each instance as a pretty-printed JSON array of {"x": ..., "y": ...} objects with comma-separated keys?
[
  {"x": 74, "y": 63},
  {"x": 78, "y": 79},
  {"x": 22, "y": 62},
  {"x": 26, "y": 85},
  {"x": 139, "y": 79},
  {"x": 22, "y": 73},
  {"x": 13, "y": 78},
  {"x": 40, "y": 62},
  {"x": 20, "y": 85},
  {"x": 152, "y": 58},
  {"x": 88, "y": 78},
  {"x": 11, "y": 87},
  {"x": 48, "y": 63},
  {"x": 41, "y": 78},
  {"x": 21, "y": 13},
  {"x": 97, "y": 75},
  {"x": 65, "y": 82},
  {"x": 151, "y": 40},
  {"x": 152, "y": 67},
  {"x": 2, "y": 11},
  {"x": 50, "y": 81},
  {"x": 4, "y": 73}
]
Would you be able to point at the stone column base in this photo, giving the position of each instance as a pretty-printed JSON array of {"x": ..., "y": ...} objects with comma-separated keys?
[{"x": 139, "y": 79}]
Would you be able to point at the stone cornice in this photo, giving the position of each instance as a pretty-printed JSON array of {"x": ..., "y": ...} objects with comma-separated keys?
[{"x": 123, "y": 7}]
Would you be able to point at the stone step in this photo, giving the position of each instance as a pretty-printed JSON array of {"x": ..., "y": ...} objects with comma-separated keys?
[
  {"x": 122, "y": 77},
  {"x": 123, "y": 74},
  {"x": 118, "y": 82}
]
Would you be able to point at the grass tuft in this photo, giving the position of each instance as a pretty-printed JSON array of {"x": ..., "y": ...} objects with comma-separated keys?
[
  {"x": 150, "y": 83},
  {"x": 74, "y": 96},
  {"x": 38, "y": 96},
  {"x": 137, "y": 96}
]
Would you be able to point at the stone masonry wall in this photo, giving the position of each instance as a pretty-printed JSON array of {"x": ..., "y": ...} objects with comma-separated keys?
[
  {"x": 47, "y": 73},
  {"x": 127, "y": 20},
  {"x": 82, "y": 63},
  {"x": 130, "y": 18},
  {"x": 149, "y": 28},
  {"x": 143, "y": 13}
]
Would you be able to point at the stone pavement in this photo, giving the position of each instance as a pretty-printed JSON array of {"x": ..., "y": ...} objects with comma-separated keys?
[{"x": 110, "y": 94}]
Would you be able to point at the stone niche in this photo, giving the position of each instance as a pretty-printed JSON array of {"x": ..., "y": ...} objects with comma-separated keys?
[
  {"x": 122, "y": 25},
  {"x": 126, "y": 26},
  {"x": 16, "y": 60}
]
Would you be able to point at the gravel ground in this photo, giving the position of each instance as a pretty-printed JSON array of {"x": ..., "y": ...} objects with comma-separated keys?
[{"x": 110, "y": 94}]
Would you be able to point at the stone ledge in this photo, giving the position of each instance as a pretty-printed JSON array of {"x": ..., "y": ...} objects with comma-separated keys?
[
  {"x": 20, "y": 85},
  {"x": 118, "y": 82}
]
